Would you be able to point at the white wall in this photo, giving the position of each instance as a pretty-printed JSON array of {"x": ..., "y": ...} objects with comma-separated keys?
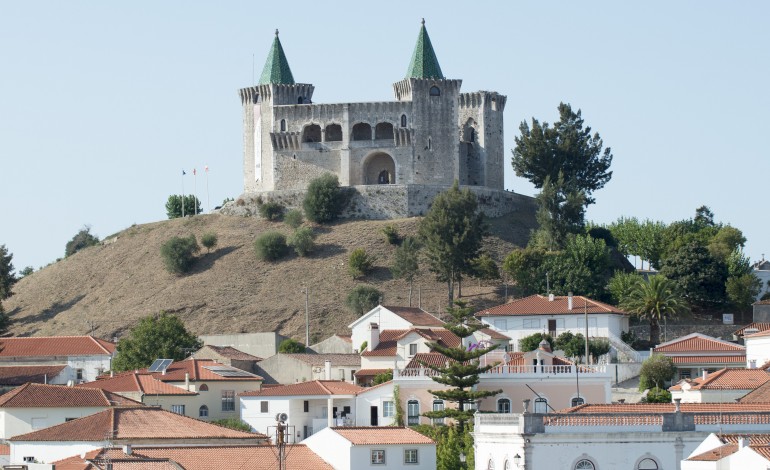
[
  {"x": 374, "y": 397},
  {"x": 386, "y": 320},
  {"x": 17, "y": 421},
  {"x": 92, "y": 366},
  {"x": 316, "y": 419},
  {"x": 47, "y": 452},
  {"x": 757, "y": 350}
]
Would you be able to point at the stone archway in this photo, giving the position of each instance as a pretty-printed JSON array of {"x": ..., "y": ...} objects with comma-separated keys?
[{"x": 379, "y": 168}]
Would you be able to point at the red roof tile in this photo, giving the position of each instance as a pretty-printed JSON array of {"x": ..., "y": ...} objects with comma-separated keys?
[
  {"x": 540, "y": 305},
  {"x": 199, "y": 370},
  {"x": 759, "y": 395},
  {"x": 55, "y": 346},
  {"x": 34, "y": 395},
  {"x": 136, "y": 382},
  {"x": 362, "y": 436},
  {"x": 430, "y": 359},
  {"x": 667, "y": 408},
  {"x": 494, "y": 334},
  {"x": 370, "y": 372},
  {"x": 416, "y": 316},
  {"x": 320, "y": 359},
  {"x": 727, "y": 360},
  {"x": 5, "y": 449},
  {"x": 729, "y": 379},
  {"x": 716, "y": 454},
  {"x": 759, "y": 326},
  {"x": 389, "y": 339},
  {"x": 699, "y": 343},
  {"x": 232, "y": 353},
  {"x": 313, "y": 387},
  {"x": 758, "y": 334},
  {"x": 760, "y": 439},
  {"x": 19, "y": 375}
]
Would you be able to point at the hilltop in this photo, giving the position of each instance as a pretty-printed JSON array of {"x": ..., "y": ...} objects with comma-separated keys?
[{"x": 106, "y": 289}]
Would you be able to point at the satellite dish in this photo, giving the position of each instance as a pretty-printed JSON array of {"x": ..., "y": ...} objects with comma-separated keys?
[{"x": 281, "y": 417}]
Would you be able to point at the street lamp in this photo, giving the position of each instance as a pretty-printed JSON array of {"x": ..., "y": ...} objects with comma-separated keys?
[
  {"x": 462, "y": 459},
  {"x": 517, "y": 459}
]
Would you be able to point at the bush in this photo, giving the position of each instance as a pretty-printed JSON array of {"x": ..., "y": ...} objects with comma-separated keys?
[
  {"x": 294, "y": 218},
  {"x": 179, "y": 254},
  {"x": 271, "y": 246},
  {"x": 302, "y": 241},
  {"x": 192, "y": 205},
  {"x": 271, "y": 210},
  {"x": 658, "y": 395},
  {"x": 291, "y": 346},
  {"x": 233, "y": 423},
  {"x": 359, "y": 263},
  {"x": 391, "y": 234},
  {"x": 362, "y": 299},
  {"x": 324, "y": 200},
  {"x": 383, "y": 377},
  {"x": 532, "y": 342},
  {"x": 82, "y": 239},
  {"x": 209, "y": 240},
  {"x": 656, "y": 371}
]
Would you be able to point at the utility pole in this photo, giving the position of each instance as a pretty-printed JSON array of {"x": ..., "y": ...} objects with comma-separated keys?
[
  {"x": 307, "y": 318},
  {"x": 585, "y": 310}
]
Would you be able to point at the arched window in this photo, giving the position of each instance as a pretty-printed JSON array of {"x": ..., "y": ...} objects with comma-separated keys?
[
  {"x": 503, "y": 405},
  {"x": 413, "y": 413},
  {"x": 585, "y": 464},
  {"x": 300, "y": 100},
  {"x": 403, "y": 120},
  {"x": 383, "y": 131},
  {"x": 507, "y": 465},
  {"x": 362, "y": 131},
  {"x": 333, "y": 133},
  {"x": 438, "y": 405},
  {"x": 203, "y": 388},
  {"x": 491, "y": 465},
  {"x": 473, "y": 135},
  {"x": 577, "y": 401},
  {"x": 311, "y": 133},
  {"x": 541, "y": 405},
  {"x": 203, "y": 411},
  {"x": 283, "y": 125},
  {"x": 430, "y": 144},
  {"x": 434, "y": 91},
  {"x": 647, "y": 464}
]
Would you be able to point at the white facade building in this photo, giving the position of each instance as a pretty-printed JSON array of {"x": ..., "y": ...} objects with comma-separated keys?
[{"x": 87, "y": 356}]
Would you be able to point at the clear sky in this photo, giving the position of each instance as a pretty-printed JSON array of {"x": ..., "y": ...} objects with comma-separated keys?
[{"x": 103, "y": 104}]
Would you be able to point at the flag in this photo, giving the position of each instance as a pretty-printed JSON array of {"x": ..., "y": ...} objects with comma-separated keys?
[
  {"x": 194, "y": 172},
  {"x": 183, "y": 173},
  {"x": 206, "y": 168}
]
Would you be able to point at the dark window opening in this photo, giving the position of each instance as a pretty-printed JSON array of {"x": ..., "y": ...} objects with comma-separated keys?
[
  {"x": 403, "y": 120},
  {"x": 434, "y": 91},
  {"x": 362, "y": 131},
  {"x": 333, "y": 133},
  {"x": 283, "y": 125},
  {"x": 311, "y": 133},
  {"x": 383, "y": 131}
]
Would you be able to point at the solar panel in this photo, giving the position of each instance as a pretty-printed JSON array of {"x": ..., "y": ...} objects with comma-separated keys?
[
  {"x": 160, "y": 365},
  {"x": 228, "y": 371}
]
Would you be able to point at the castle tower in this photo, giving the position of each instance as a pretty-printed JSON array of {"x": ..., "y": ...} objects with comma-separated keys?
[
  {"x": 433, "y": 116},
  {"x": 276, "y": 87}
]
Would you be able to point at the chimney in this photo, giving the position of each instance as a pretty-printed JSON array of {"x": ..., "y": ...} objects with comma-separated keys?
[
  {"x": 186, "y": 381},
  {"x": 127, "y": 449},
  {"x": 744, "y": 441},
  {"x": 551, "y": 297},
  {"x": 677, "y": 405},
  {"x": 374, "y": 336},
  {"x": 112, "y": 373},
  {"x": 327, "y": 370},
  {"x": 569, "y": 301},
  {"x": 704, "y": 374},
  {"x": 525, "y": 405}
]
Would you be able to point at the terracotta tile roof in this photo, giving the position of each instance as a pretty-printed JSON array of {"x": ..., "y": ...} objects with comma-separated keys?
[
  {"x": 197, "y": 368},
  {"x": 762, "y": 302},
  {"x": 648, "y": 408},
  {"x": 729, "y": 379},
  {"x": 432, "y": 358},
  {"x": 540, "y": 305},
  {"x": 362, "y": 436},
  {"x": 757, "y": 325},
  {"x": 715, "y": 454},
  {"x": 320, "y": 359},
  {"x": 388, "y": 344},
  {"x": 19, "y": 375},
  {"x": 681, "y": 360},
  {"x": 134, "y": 423},
  {"x": 232, "y": 353},
  {"x": 759, "y": 395},
  {"x": 310, "y": 388},
  {"x": 494, "y": 334},
  {"x": 764, "y": 451},
  {"x": 759, "y": 439},
  {"x": 43, "y": 346},
  {"x": 416, "y": 316},
  {"x": 136, "y": 382},
  {"x": 370, "y": 372},
  {"x": 5, "y": 449},
  {"x": 699, "y": 343},
  {"x": 758, "y": 334},
  {"x": 34, "y": 395}
]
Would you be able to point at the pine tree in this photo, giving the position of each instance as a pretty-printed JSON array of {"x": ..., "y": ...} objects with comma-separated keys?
[{"x": 448, "y": 450}]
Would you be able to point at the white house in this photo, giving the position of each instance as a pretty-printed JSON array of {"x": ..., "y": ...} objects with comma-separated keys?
[
  {"x": 390, "y": 318},
  {"x": 555, "y": 315},
  {"x": 757, "y": 348},
  {"x": 695, "y": 353},
  {"x": 87, "y": 356},
  {"x": 730, "y": 452},
  {"x": 349, "y": 448},
  {"x": 724, "y": 385}
]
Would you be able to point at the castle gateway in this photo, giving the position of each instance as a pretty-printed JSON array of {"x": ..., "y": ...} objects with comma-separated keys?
[{"x": 431, "y": 135}]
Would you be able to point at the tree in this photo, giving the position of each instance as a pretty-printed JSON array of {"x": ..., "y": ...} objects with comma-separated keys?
[
  {"x": 391, "y": 234},
  {"x": 162, "y": 336},
  {"x": 302, "y": 240},
  {"x": 5, "y": 320},
  {"x": 179, "y": 254},
  {"x": 451, "y": 233},
  {"x": 26, "y": 271},
  {"x": 658, "y": 395},
  {"x": 525, "y": 268},
  {"x": 542, "y": 152},
  {"x": 271, "y": 210},
  {"x": 653, "y": 300},
  {"x": 82, "y": 239},
  {"x": 461, "y": 370},
  {"x": 485, "y": 268},
  {"x": 406, "y": 264},
  {"x": 656, "y": 371},
  {"x": 725, "y": 242},
  {"x": 323, "y": 201},
  {"x": 383, "y": 377},
  {"x": 448, "y": 450},
  {"x": 291, "y": 346},
  {"x": 271, "y": 246},
  {"x": 209, "y": 240},
  {"x": 742, "y": 290},
  {"x": 192, "y": 205},
  {"x": 359, "y": 263},
  {"x": 560, "y": 213},
  {"x": 699, "y": 275},
  {"x": 362, "y": 299},
  {"x": 532, "y": 342},
  {"x": 621, "y": 284},
  {"x": 7, "y": 278}
]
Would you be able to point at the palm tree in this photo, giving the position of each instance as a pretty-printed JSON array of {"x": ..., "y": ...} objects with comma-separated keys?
[{"x": 653, "y": 300}]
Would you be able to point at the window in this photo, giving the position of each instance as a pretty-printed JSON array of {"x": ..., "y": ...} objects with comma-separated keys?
[
  {"x": 69, "y": 419},
  {"x": 531, "y": 324},
  {"x": 413, "y": 349},
  {"x": 435, "y": 91},
  {"x": 412, "y": 413},
  {"x": 647, "y": 464},
  {"x": 541, "y": 405},
  {"x": 79, "y": 374},
  {"x": 203, "y": 388},
  {"x": 577, "y": 401},
  {"x": 378, "y": 457},
  {"x": 283, "y": 125},
  {"x": 362, "y": 131},
  {"x": 403, "y": 120},
  {"x": 430, "y": 144},
  {"x": 263, "y": 407},
  {"x": 503, "y": 405},
  {"x": 352, "y": 375},
  {"x": 342, "y": 374},
  {"x": 383, "y": 131},
  {"x": 438, "y": 405},
  {"x": 501, "y": 324},
  {"x": 584, "y": 464},
  {"x": 410, "y": 456},
  {"x": 388, "y": 409},
  {"x": 490, "y": 465},
  {"x": 228, "y": 400},
  {"x": 306, "y": 406},
  {"x": 29, "y": 459},
  {"x": 333, "y": 133},
  {"x": 203, "y": 411},
  {"x": 311, "y": 133},
  {"x": 178, "y": 409}
]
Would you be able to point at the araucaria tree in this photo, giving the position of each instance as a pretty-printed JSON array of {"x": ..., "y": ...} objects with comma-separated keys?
[
  {"x": 161, "y": 336},
  {"x": 653, "y": 300},
  {"x": 462, "y": 369},
  {"x": 7, "y": 277},
  {"x": 451, "y": 233}
]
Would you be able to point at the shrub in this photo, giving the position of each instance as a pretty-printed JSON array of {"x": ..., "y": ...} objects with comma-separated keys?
[
  {"x": 324, "y": 200},
  {"x": 383, "y": 377},
  {"x": 359, "y": 263},
  {"x": 391, "y": 234},
  {"x": 291, "y": 346},
  {"x": 233, "y": 423},
  {"x": 302, "y": 241},
  {"x": 656, "y": 371},
  {"x": 82, "y": 239},
  {"x": 532, "y": 342},
  {"x": 362, "y": 299},
  {"x": 271, "y": 210},
  {"x": 192, "y": 205},
  {"x": 294, "y": 218},
  {"x": 658, "y": 395},
  {"x": 179, "y": 254},
  {"x": 209, "y": 240},
  {"x": 271, "y": 246}
]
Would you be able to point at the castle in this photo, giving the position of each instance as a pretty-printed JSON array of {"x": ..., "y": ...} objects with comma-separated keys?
[{"x": 431, "y": 135}]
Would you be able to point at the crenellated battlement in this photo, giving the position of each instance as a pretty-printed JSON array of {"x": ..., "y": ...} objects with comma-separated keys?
[
  {"x": 280, "y": 93},
  {"x": 285, "y": 140},
  {"x": 249, "y": 95},
  {"x": 481, "y": 99}
]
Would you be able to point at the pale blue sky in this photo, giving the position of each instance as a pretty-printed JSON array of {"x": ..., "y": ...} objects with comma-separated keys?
[{"x": 102, "y": 104}]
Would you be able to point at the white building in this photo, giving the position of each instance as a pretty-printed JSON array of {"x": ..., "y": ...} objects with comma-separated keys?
[
  {"x": 724, "y": 385},
  {"x": 695, "y": 353},
  {"x": 730, "y": 452},
  {"x": 87, "y": 356},
  {"x": 390, "y": 318}
]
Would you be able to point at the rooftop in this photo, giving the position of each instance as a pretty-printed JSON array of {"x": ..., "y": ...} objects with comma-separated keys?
[
  {"x": 19, "y": 375},
  {"x": 728, "y": 379},
  {"x": 699, "y": 343},
  {"x": 416, "y": 316},
  {"x": 276, "y": 69},
  {"x": 389, "y": 339},
  {"x": 758, "y": 325},
  {"x": 310, "y": 388},
  {"x": 33, "y": 395},
  {"x": 541, "y": 305},
  {"x": 424, "y": 63},
  {"x": 203, "y": 369},
  {"x": 55, "y": 346},
  {"x": 320, "y": 359},
  {"x": 232, "y": 353},
  {"x": 135, "y": 382},
  {"x": 368, "y": 435}
]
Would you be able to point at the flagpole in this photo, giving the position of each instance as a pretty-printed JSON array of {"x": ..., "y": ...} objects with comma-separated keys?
[
  {"x": 208, "y": 203},
  {"x": 183, "y": 194},
  {"x": 195, "y": 191}
]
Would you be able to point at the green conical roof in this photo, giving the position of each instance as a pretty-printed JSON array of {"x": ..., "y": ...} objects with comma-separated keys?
[
  {"x": 424, "y": 63},
  {"x": 276, "y": 69}
]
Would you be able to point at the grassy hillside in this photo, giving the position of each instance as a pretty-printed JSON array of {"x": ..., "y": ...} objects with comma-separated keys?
[{"x": 106, "y": 289}]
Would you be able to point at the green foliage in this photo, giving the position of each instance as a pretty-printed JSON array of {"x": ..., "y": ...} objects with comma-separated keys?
[
  {"x": 26, "y": 272},
  {"x": 642, "y": 239},
  {"x": 658, "y": 395},
  {"x": 271, "y": 210},
  {"x": 698, "y": 274},
  {"x": 359, "y": 263},
  {"x": 192, "y": 205},
  {"x": 233, "y": 423},
  {"x": 5, "y": 320},
  {"x": 524, "y": 266},
  {"x": 161, "y": 336},
  {"x": 399, "y": 421},
  {"x": 7, "y": 278},
  {"x": 382, "y": 378},
  {"x": 82, "y": 239},
  {"x": 391, "y": 234},
  {"x": 294, "y": 218},
  {"x": 726, "y": 241},
  {"x": 451, "y": 233},
  {"x": 303, "y": 241},
  {"x": 560, "y": 213},
  {"x": 743, "y": 290},
  {"x": 485, "y": 268},
  {"x": 448, "y": 450},
  {"x": 324, "y": 201},
  {"x": 598, "y": 347},
  {"x": 179, "y": 254},
  {"x": 363, "y": 346},
  {"x": 630, "y": 338},
  {"x": 209, "y": 240},
  {"x": 271, "y": 246},
  {"x": 654, "y": 299},
  {"x": 291, "y": 346},
  {"x": 656, "y": 371},
  {"x": 362, "y": 299},
  {"x": 532, "y": 342},
  {"x": 621, "y": 284},
  {"x": 406, "y": 262}
]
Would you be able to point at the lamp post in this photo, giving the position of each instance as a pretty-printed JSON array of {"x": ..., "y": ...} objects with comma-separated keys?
[{"x": 517, "y": 460}]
